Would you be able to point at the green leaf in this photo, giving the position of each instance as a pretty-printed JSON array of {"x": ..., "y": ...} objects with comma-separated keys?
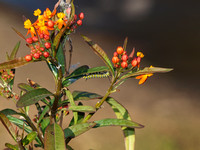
[
  {"x": 82, "y": 95},
  {"x": 29, "y": 138},
  {"x": 18, "y": 62},
  {"x": 75, "y": 75},
  {"x": 71, "y": 100},
  {"x": 78, "y": 129},
  {"x": 58, "y": 37},
  {"x": 68, "y": 82},
  {"x": 21, "y": 35},
  {"x": 53, "y": 68},
  {"x": 80, "y": 71},
  {"x": 22, "y": 124},
  {"x": 61, "y": 58},
  {"x": 7, "y": 124},
  {"x": 54, "y": 138},
  {"x": 122, "y": 113},
  {"x": 44, "y": 112},
  {"x": 81, "y": 116},
  {"x": 83, "y": 70},
  {"x": 14, "y": 52},
  {"x": 44, "y": 124},
  {"x": 7, "y": 56},
  {"x": 146, "y": 70},
  {"x": 9, "y": 112},
  {"x": 117, "y": 122},
  {"x": 25, "y": 87},
  {"x": 12, "y": 147},
  {"x": 89, "y": 109},
  {"x": 100, "y": 52},
  {"x": 98, "y": 69},
  {"x": 32, "y": 97}
]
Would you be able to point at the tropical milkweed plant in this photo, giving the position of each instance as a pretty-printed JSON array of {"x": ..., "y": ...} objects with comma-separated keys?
[{"x": 46, "y": 39}]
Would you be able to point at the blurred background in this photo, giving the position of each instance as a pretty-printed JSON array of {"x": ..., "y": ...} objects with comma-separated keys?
[{"x": 168, "y": 34}]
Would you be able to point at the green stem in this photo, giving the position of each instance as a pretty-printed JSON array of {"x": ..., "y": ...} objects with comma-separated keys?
[
  {"x": 99, "y": 104},
  {"x": 57, "y": 95},
  {"x": 34, "y": 128}
]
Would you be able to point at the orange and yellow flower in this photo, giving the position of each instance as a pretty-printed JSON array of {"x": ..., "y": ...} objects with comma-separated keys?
[
  {"x": 140, "y": 54},
  {"x": 48, "y": 14},
  {"x": 144, "y": 77},
  {"x": 42, "y": 28},
  {"x": 37, "y": 12},
  {"x": 28, "y": 25},
  {"x": 60, "y": 22}
]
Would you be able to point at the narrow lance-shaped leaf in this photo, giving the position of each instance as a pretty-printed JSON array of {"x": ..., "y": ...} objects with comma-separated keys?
[
  {"x": 80, "y": 71},
  {"x": 44, "y": 124},
  {"x": 54, "y": 138},
  {"x": 83, "y": 95},
  {"x": 68, "y": 82},
  {"x": 29, "y": 138},
  {"x": 81, "y": 116},
  {"x": 20, "y": 123},
  {"x": 20, "y": 34},
  {"x": 71, "y": 100},
  {"x": 18, "y": 62},
  {"x": 32, "y": 97},
  {"x": 88, "y": 109},
  {"x": 75, "y": 75},
  {"x": 146, "y": 70},
  {"x": 23, "y": 125},
  {"x": 12, "y": 147},
  {"x": 86, "y": 70},
  {"x": 9, "y": 112},
  {"x": 117, "y": 122},
  {"x": 14, "y": 52},
  {"x": 7, "y": 124},
  {"x": 100, "y": 52},
  {"x": 122, "y": 113},
  {"x": 98, "y": 69},
  {"x": 57, "y": 39},
  {"x": 78, "y": 129},
  {"x": 53, "y": 68},
  {"x": 25, "y": 87},
  {"x": 44, "y": 112},
  {"x": 7, "y": 56},
  {"x": 61, "y": 57}
]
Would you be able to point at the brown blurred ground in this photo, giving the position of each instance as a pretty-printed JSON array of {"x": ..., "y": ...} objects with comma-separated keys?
[{"x": 168, "y": 105}]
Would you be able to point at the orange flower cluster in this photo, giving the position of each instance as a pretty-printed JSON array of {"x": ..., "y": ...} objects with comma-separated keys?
[
  {"x": 41, "y": 29},
  {"x": 121, "y": 59}
]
